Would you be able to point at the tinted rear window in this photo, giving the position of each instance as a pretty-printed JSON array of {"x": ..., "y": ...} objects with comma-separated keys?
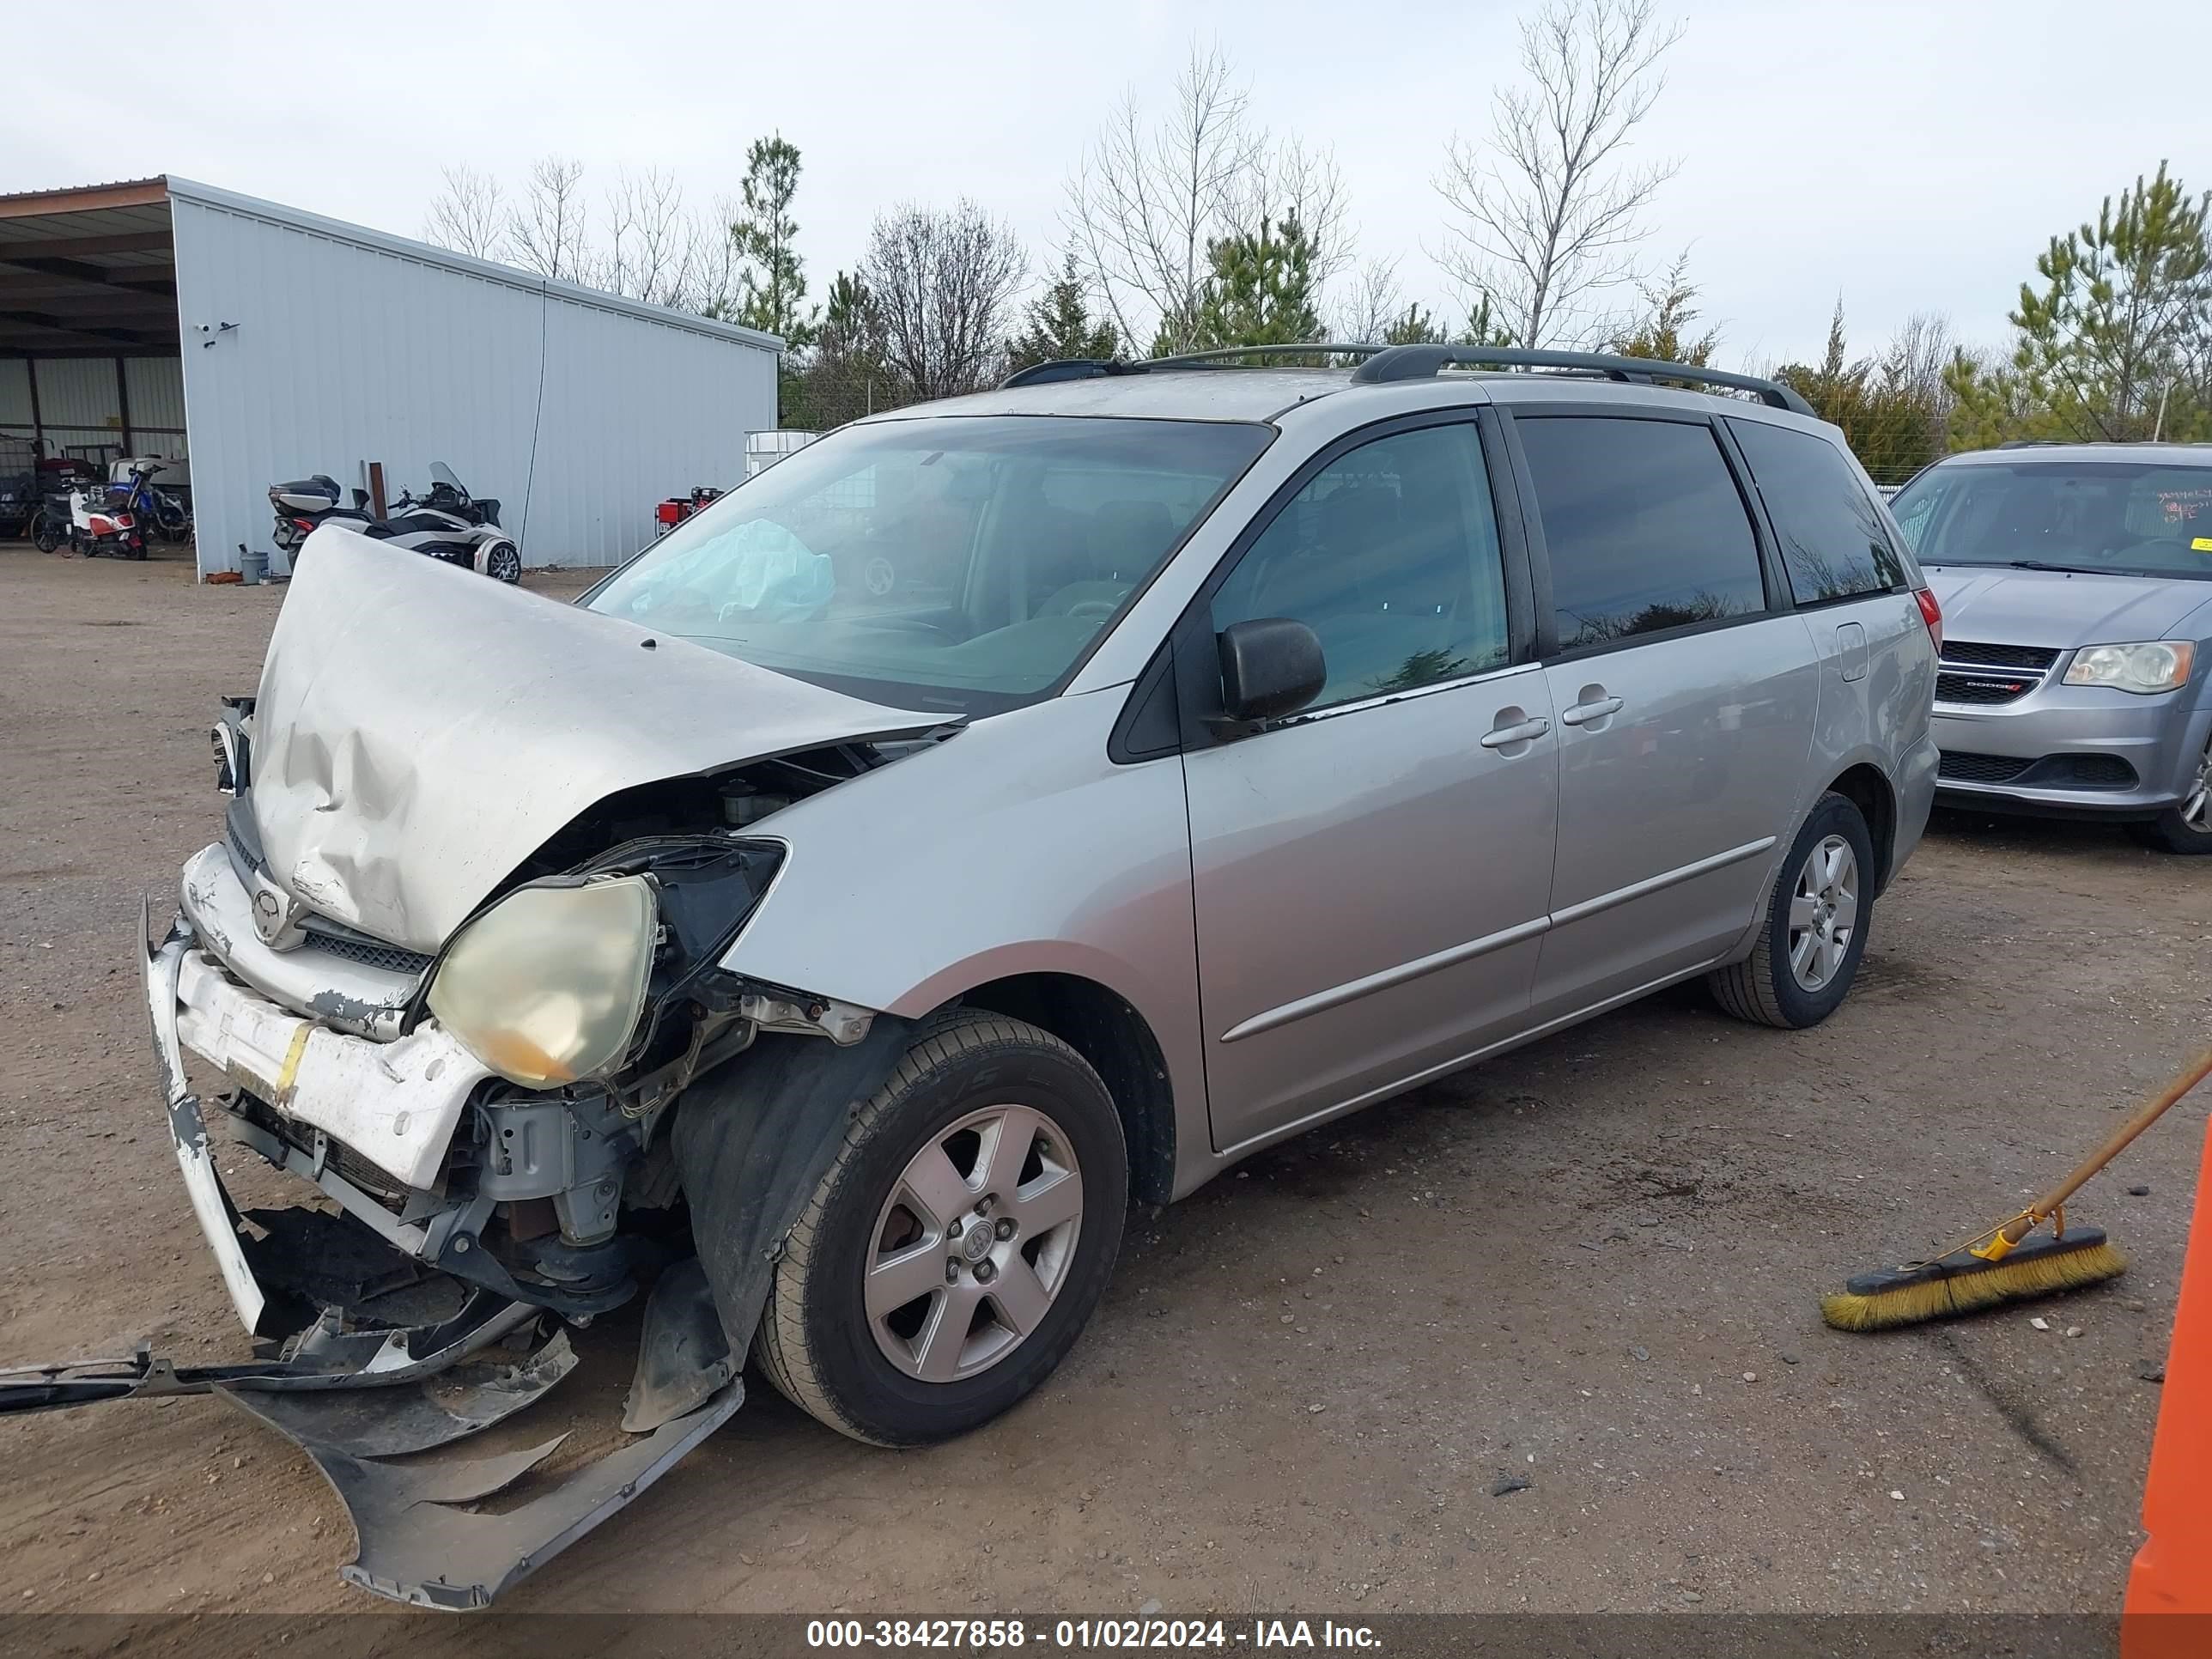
[
  {"x": 1643, "y": 526},
  {"x": 1834, "y": 542}
]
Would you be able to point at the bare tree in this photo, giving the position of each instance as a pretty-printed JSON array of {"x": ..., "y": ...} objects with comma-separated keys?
[
  {"x": 1549, "y": 213},
  {"x": 1374, "y": 304},
  {"x": 546, "y": 231},
  {"x": 1288, "y": 181},
  {"x": 1151, "y": 194},
  {"x": 651, "y": 242},
  {"x": 942, "y": 284},
  {"x": 718, "y": 261},
  {"x": 469, "y": 215}
]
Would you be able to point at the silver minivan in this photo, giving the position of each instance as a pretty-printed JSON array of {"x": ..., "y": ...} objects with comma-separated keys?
[
  {"x": 1008, "y": 808},
  {"x": 2077, "y": 678}
]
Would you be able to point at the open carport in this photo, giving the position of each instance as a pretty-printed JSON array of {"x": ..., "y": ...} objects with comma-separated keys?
[{"x": 245, "y": 342}]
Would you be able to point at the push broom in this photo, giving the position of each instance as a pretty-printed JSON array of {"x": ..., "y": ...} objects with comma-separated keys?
[{"x": 2003, "y": 1264}]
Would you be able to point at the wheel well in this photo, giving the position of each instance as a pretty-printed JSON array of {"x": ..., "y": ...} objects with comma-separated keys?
[
  {"x": 1112, "y": 1037},
  {"x": 1866, "y": 788}
]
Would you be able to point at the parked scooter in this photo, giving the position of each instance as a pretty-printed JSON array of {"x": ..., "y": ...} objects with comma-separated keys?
[
  {"x": 448, "y": 524},
  {"x": 98, "y": 526}
]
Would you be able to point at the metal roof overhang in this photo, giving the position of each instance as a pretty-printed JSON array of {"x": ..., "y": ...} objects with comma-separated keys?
[{"x": 89, "y": 272}]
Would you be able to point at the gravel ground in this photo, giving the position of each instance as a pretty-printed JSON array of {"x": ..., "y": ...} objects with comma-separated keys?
[{"x": 1591, "y": 1266}]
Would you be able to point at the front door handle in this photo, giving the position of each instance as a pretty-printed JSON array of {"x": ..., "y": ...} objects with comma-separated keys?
[
  {"x": 1582, "y": 713},
  {"x": 1502, "y": 737}
]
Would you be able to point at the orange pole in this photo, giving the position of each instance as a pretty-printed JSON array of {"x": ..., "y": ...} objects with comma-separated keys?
[{"x": 2169, "y": 1604}]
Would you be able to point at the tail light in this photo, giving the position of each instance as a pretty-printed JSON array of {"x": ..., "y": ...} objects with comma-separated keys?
[
  {"x": 1932, "y": 614},
  {"x": 303, "y": 524}
]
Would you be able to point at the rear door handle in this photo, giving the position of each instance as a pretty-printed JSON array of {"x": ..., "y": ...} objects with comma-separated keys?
[
  {"x": 1582, "y": 713},
  {"x": 1500, "y": 736}
]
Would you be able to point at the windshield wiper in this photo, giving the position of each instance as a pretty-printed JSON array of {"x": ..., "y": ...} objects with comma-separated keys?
[{"x": 2039, "y": 564}]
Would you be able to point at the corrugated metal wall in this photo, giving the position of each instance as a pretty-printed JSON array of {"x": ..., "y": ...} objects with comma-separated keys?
[
  {"x": 81, "y": 406},
  {"x": 311, "y": 347}
]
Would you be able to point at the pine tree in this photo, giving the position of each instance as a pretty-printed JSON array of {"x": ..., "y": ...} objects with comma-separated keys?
[
  {"x": 1261, "y": 290},
  {"x": 2122, "y": 317},
  {"x": 775, "y": 277},
  {"x": 1059, "y": 324},
  {"x": 1664, "y": 332}
]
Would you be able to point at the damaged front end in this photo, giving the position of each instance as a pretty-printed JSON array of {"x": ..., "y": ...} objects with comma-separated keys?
[{"x": 512, "y": 1118}]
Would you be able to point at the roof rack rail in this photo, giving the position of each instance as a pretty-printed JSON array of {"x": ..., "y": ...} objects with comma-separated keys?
[
  {"x": 1221, "y": 354},
  {"x": 2030, "y": 443},
  {"x": 1412, "y": 362},
  {"x": 1091, "y": 368},
  {"x": 1068, "y": 369}
]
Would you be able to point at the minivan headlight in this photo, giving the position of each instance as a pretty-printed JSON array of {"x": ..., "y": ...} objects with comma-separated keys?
[
  {"x": 2156, "y": 666},
  {"x": 546, "y": 985}
]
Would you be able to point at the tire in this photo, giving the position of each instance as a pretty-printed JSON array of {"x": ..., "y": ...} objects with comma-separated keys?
[
  {"x": 860, "y": 1371},
  {"x": 1773, "y": 986},
  {"x": 44, "y": 536},
  {"x": 503, "y": 562},
  {"x": 2187, "y": 826}
]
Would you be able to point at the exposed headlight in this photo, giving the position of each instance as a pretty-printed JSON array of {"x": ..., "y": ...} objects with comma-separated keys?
[
  {"x": 547, "y": 986},
  {"x": 2158, "y": 665}
]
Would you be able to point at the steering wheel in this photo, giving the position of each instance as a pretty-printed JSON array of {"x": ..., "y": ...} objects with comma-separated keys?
[{"x": 1093, "y": 609}]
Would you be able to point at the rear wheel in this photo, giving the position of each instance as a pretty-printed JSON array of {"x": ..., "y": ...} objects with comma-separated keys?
[
  {"x": 2187, "y": 827},
  {"x": 1808, "y": 951},
  {"x": 45, "y": 534},
  {"x": 957, "y": 1246}
]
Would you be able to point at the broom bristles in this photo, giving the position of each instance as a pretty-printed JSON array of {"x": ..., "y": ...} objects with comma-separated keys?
[{"x": 1947, "y": 1289}]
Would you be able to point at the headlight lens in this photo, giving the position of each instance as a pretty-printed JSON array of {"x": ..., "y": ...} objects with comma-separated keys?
[
  {"x": 2157, "y": 665},
  {"x": 547, "y": 986}
]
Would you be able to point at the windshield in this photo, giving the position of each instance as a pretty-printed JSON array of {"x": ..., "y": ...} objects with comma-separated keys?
[
  {"x": 948, "y": 561},
  {"x": 2116, "y": 516},
  {"x": 442, "y": 474}
]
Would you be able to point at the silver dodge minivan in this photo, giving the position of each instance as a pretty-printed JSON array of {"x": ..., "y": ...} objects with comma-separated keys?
[
  {"x": 999, "y": 810},
  {"x": 2076, "y": 677}
]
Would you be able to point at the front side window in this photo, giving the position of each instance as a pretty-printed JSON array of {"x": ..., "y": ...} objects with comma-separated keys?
[
  {"x": 955, "y": 562},
  {"x": 1390, "y": 555},
  {"x": 1643, "y": 526},
  {"x": 2109, "y": 517},
  {"x": 1834, "y": 543}
]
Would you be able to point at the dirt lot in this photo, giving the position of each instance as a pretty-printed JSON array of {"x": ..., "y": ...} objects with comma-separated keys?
[{"x": 1592, "y": 1266}]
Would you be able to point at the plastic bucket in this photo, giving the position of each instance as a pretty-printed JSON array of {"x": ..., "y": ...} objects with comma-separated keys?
[{"x": 253, "y": 566}]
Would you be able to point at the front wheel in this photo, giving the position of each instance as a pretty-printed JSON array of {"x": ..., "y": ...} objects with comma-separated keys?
[
  {"x": 958, "y": 1242},
  {"x": 2187, "y": 827},
  {"x": 1815, "y": 930},
  {"x": 503, "y": 562},
  {"x": 46, "y": 535}
]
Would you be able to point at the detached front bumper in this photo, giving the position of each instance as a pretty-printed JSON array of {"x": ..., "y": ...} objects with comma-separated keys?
[
  {"x": 414, "y": 1544},
  {"x": 329, "y": 1086}
]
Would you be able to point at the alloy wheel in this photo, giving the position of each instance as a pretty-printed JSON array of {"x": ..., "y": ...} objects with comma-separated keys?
[
  {"x": 1824, "y": 912},
  {"x": 974, "y": 1244},
  {"x": 2197, "y": 809}
]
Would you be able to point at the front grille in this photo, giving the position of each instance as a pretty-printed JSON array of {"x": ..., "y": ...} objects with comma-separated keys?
[
  {"x": 369, "y": 953},
  {"x": 1970, "y": 672},
  {"x": 1960, "y": 767},
  {"x": 1997, "y": 656},
  {"x": 1982, "y": 688}
]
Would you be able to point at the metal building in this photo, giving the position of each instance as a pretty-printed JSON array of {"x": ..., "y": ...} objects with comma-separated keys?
[{"x": 251, "y": 343}]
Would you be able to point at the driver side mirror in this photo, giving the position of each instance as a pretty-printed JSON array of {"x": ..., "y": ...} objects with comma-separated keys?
[{"x": 1271, "y": 666}]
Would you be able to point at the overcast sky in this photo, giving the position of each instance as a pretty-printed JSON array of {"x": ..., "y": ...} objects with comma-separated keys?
[{"x": 1908, "y": 156}]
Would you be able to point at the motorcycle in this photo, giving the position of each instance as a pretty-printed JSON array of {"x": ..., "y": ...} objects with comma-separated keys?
[
  {"x": 161, "y": 512},
  {"x": 448, "y": 524}
]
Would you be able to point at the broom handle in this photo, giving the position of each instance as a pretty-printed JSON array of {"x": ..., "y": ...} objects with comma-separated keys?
[{"x": 2154, "y": 1109}]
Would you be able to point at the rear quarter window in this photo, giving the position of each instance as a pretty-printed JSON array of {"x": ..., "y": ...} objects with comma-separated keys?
[
  {"x": 1834, "y": 544},
  {"x": 1644, "y": 528}
]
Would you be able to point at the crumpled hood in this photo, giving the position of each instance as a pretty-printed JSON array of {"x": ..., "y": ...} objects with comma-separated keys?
[
  {"x": 2058, "y": 610},
  {"x": 421, "y": 730}
]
